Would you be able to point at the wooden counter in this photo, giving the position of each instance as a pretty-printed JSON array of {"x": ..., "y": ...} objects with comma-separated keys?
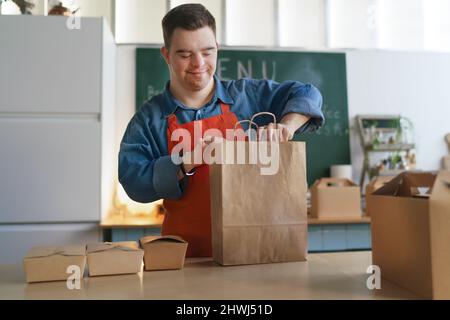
[
  {"x": 323, "y": 276},
  {"x": 131, "y": 222}
]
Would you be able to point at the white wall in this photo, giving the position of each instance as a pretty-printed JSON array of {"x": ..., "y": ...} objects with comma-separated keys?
[{"x": 414, "y": 85}]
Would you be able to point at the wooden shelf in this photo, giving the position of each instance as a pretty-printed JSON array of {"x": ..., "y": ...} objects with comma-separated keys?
[
  {"x": 131, "y": 222},
  {"x": 338, "y": 220},
  {"x": 145, "y": 222},
  {"x": 390, "y": 147}
]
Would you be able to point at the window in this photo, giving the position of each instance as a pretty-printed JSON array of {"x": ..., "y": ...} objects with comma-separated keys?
[
  {"x": 301, "y": 23},
  {"x": 250, "y": 22},
  {"x": 351, "y": 23},
  {"x": 139, "y": 21},
  {"x": 400, "y": 24}
]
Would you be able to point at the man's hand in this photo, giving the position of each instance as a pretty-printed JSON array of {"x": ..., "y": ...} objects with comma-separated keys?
[
  {"x": 283, "y": 131},
  {"x": 275, "y": 132},
  {"x": 193, "y": 159}
]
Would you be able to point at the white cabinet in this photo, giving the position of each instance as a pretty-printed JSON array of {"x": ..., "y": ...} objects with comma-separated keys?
[
  {"x": 50, "y": 170},
  {"x": 16, "y": 240},
  {"x": 57, "y": 105},
  {"x": 45, "y": 67}
]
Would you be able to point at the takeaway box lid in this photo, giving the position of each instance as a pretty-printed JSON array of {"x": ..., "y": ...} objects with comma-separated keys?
[
  {"x": 154, "y": 239},
  {"x": 47, "y": 251},
  {"x": 333, "y": 182},
  {"x": 108, "y": 246},
  {"x": 414, "y": 184}
]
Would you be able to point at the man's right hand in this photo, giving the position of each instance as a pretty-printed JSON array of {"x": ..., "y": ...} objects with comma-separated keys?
[{"x": 193, "y": 159}]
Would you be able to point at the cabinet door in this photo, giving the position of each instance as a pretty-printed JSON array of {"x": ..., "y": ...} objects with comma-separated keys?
[
  {"x": 46, "y": 67},
  {"x": 50, "y": 170},
  {"x": 16, "y": 240}
]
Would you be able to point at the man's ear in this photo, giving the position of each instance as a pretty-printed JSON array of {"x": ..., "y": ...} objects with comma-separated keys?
[{"x": 165, "y": 54}]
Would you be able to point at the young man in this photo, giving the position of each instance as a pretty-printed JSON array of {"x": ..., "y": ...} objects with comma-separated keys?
[{"x": 194, "y": 95}]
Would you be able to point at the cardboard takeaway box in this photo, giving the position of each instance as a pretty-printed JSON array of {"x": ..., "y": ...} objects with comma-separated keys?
[
  {"x": 411, "y": 232},
  {"x": 335, "y": 198},
  {"x": 163, "y": 252},
  {"x": 51, "y": 263},
  {"x": 375, "y": 184},
  {"x": 446, "y": 162},
  {"x": 114, "y": 258}
]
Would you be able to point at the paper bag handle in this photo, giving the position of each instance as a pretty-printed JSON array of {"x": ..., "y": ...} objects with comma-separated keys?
[
  {"x": 261, "y": 113},
  {"x": 242, "y": 121},
  {"x": 253, "y": 117}
]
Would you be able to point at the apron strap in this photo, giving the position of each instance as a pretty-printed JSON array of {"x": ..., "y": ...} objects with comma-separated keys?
[
  {"x": 172, "y": 119},
  {"x": 224, "y": 108}
]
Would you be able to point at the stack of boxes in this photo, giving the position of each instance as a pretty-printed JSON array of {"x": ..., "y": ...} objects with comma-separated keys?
[{"x": 108, "y": 258}]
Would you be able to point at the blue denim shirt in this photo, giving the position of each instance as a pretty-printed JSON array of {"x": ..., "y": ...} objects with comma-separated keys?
[{"x": 146, "y": 170}]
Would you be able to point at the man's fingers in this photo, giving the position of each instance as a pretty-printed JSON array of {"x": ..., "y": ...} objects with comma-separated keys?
[{"x": 285, "y": 136}]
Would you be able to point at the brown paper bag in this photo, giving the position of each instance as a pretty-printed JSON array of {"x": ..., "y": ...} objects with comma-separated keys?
[{"x": 259, "y": 218}]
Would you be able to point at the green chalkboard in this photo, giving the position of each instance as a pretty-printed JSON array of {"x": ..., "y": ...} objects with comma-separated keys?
[{"x": 327, "y": 71}]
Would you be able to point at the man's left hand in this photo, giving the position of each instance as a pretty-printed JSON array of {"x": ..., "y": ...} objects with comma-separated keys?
[{"x": 283, "y": 131}]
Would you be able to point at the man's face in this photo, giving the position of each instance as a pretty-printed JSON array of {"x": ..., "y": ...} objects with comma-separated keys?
[{"x": 192, "y": 58}]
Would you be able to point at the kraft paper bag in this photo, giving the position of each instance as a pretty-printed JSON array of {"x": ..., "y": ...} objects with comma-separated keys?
[{"x": 256, "y": 217}]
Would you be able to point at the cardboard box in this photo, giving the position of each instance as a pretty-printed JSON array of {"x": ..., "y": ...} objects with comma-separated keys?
[
  {"x": 114, "y": 258},
  {"x": 410, "y": 232},
  {"x": 375, "y": 184},
  {"x": 163, "y": 252},
  {"x": 335, "y": 198},
  {"x": 446, "y": 162},
  {"x": 50, "y": 263}
]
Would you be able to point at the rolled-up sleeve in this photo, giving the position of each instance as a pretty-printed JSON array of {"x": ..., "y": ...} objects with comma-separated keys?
[
  {"x": 145, "y": 174},
  {"x": 307, "y": 100},
  {"x": 291, "y": 97}
]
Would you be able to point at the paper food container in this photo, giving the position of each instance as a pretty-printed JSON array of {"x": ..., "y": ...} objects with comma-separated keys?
[
  {"x": 163, "y": 252},
  {"x": 110, "y": 258},
  {"x": 52, "y": 263}
]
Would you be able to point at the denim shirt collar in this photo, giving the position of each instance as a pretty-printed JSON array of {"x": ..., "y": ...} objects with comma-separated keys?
[{"x": 171, "y": 103}]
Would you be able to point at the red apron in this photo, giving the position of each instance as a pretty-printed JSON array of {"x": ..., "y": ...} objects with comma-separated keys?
[{"x": 190, "y": 216}]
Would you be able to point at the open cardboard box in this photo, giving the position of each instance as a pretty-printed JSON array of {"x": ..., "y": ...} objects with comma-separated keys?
[
  {"x": 375, "y": 184},
  {"x": 335, "y": 198},
  {"x": 114, "y": 258},
  {"x": 446, "y": 162},
  {"x": 411, "y": 232},
  {"x": 50, "y": 263},
  {"x": 163, "y": 252}
]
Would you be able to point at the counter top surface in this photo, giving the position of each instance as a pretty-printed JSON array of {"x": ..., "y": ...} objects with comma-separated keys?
[{"x": 324, "y": 276}]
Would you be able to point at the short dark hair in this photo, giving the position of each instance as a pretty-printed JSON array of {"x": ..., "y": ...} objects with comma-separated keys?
[{"x": 190, "y": 16}]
